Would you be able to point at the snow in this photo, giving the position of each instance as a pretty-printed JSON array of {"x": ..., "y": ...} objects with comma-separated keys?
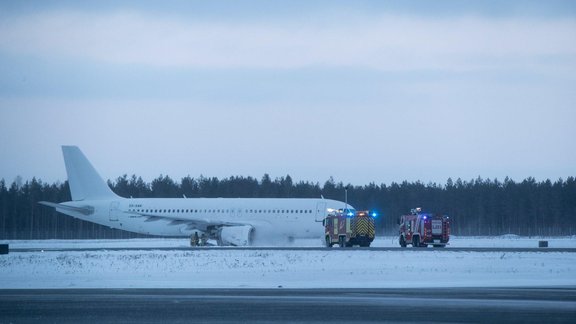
[
  {"x": 504, "y": 241},
  {"x": 257, "y": 268}
]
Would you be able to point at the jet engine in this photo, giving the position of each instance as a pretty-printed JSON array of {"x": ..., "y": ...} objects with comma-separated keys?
[{"x": 236, "y": 235}]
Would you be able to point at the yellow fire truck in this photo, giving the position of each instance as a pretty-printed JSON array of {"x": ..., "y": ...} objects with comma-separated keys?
[{"x": 348, "y": 228}]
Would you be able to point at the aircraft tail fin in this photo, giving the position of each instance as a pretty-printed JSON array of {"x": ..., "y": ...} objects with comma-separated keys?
[{"x": 85, "y": 183}]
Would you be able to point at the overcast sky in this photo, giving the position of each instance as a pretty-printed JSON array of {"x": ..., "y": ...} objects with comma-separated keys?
[{"x": 363, "y": 91}]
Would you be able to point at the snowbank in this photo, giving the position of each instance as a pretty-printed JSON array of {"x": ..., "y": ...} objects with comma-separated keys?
[
  {"x": 217, "y": 268},
  {"x": 335, "y": 268}
]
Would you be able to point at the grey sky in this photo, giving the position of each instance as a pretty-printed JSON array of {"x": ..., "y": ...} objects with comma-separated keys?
[{"x": 364, "y": 91}]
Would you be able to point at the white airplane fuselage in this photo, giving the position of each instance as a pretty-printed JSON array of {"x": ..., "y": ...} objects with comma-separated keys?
[{"x": 286, "y": 217}]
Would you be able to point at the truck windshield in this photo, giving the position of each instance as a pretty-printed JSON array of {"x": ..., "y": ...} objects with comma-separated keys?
[{"x": 349, "y": 211}]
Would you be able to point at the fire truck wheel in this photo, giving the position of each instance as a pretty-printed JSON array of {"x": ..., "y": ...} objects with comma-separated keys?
[
  {"x": 416, "y": 241},
  {"x": 402, "y": 241}
]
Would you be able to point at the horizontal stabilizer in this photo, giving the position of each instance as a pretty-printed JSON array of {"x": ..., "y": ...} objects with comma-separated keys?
[{"x": 85, "y": 210}]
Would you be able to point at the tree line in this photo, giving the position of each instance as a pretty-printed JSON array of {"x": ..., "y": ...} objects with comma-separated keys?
[{"x": 475, "y": 207}]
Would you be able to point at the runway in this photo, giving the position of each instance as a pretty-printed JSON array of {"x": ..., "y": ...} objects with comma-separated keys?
[
  {"x": 438, "y": 305},
  {"x": 227, "y": 248}
]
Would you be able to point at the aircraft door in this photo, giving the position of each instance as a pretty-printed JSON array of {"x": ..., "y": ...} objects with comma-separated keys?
[
  {"x": 114, "y": 211},
  {"x": 320, "y": 211}
]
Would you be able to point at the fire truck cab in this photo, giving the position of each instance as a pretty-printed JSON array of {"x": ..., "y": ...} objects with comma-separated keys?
[
  {"x": 349, "y": 227},
  {"x": 423, "y": 229}
]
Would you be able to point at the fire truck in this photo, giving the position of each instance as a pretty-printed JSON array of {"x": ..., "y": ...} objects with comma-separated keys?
[
  {"x": 423, "y": 229},
  {"x": 348, "y": 228}
]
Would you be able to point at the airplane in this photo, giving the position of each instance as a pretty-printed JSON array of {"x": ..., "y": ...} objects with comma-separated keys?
[{"x": 228, "y": 221}]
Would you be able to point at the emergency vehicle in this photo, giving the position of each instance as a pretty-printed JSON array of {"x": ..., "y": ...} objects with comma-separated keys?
[
  {"x": 423, "y": 229},
  {"x": 348, "y": 228}
]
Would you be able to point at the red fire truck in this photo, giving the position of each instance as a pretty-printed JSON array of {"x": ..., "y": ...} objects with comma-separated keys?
[
  {"x": 423, "y": 229},
  {"x": 348, "y": 228}
]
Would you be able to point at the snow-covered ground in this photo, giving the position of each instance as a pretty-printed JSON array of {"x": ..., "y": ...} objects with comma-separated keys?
[
  {"x": 505, "y": 241},
  {"x": 253, "y": 268}
]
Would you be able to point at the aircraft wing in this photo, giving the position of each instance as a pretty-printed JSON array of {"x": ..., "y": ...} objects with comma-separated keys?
[
  {"x": 192, "y": 223},
  {"x": 85, "y": 210}
]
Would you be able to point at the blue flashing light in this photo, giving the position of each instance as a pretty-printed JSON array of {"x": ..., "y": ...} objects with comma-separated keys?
[
  {"x": 425, "y": 217},
  {"x": 350, "y": 214},
  {"x": 374, "y": 214}
]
